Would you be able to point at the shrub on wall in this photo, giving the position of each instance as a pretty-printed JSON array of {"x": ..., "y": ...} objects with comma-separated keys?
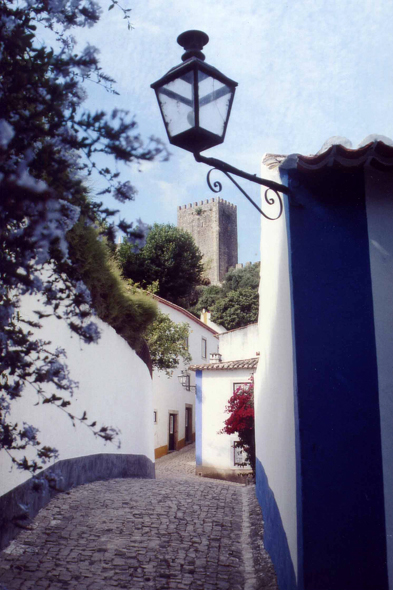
[
  {"x": 129, "y": 312},
  {"x": 241, "y": 419}
]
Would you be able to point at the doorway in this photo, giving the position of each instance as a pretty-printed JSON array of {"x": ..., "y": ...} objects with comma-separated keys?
[
  {"x": 172, "y": 432},
  {"x": 188, "y": 432}
]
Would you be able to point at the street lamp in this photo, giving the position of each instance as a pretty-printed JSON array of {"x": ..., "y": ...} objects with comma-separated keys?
[
  {"x": 195, "y": 101},
  {"x": 184, "y": 380}
]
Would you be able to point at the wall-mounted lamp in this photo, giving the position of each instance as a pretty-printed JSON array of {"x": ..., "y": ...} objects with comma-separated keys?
[
  {"x": 184, "y": 380},
  {"x": 195, "y": 101}
]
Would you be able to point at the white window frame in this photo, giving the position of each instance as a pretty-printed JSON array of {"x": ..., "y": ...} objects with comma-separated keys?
[{"x": 204, "y": 348}]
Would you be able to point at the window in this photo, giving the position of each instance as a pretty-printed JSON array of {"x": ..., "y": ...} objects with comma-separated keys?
[
  {"x": 186, "y": 342},
  {"x": 242, "y": 385},
  {"x": 204, "y": 348},
  {"x": 155, "y": 416},
  {"x": 239, "y": 458}
]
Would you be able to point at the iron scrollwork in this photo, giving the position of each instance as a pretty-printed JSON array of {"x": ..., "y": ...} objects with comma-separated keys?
[{"x": 216, "y": 187}]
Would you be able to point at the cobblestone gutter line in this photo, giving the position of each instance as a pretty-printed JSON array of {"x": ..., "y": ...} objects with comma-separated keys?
[{"x": 249, "y": 571}]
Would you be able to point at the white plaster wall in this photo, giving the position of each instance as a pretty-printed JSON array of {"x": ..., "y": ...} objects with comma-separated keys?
[
  {"x": 168, "y": 395},
  {"x": 239, "y": 344},
  {"x": 379, "y": 203},
  {"x": 274, "y": 381},
  {"x": 217, "y": 388},
  {"x": 115, "y": 388}
]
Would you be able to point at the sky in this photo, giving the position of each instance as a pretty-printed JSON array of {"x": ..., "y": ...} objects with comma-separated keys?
[{"x": 307, "y": 70}]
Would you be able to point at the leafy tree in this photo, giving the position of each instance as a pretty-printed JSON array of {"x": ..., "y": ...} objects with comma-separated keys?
[
  {"x": 48, "y": 146},
  {"x": 170, "y": 256},
  {"x": 241, "y": 420},
  {"x": 236, "y": 309},
  {"x": 166, "y": 341},
  {"x": 242, "y": 278},
  {"x": 236, "y": 303},
  {"x": 207, "y": 297}
]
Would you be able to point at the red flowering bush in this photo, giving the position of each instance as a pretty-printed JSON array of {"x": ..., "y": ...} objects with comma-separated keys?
[{"x": 241, "y": 419}]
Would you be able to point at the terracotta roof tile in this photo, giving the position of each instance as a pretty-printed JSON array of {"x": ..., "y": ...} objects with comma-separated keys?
[
  {"x": 376, "y": 153},
  {"x": 374, "y": 150},
  {"x": 226, "y": 366}
]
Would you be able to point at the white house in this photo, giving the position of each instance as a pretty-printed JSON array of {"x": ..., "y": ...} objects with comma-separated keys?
[
  {"x": 174, "y": 405},
  {"x": 324, "y": 386},
  {"x": 217, "y": 454}
]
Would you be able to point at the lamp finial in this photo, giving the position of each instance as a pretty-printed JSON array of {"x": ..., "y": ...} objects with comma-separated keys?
[{"x": 193, "y": 43}]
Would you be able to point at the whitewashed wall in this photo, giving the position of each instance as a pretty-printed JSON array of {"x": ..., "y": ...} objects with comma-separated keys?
[
  {"x": 168, "y": 395},
  {"x": 274, "y": 381},
  {"x": 115, "y": 388},
  {"x": 239, "y": 344},
  {"x": 379, "y": 203},
  {"x": 217, "y": 388}
]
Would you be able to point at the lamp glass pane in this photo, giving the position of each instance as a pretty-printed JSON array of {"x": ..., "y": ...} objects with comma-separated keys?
[
  {"x": 176, "y": 100},
  {"x": 214, "y": 103}
]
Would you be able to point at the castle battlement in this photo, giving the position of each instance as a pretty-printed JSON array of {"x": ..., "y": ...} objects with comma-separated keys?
[
  {"x": 206, "y": 202},
  {"x": 213, "y": 225}
]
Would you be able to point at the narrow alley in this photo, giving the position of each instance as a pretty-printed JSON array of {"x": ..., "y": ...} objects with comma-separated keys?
[{"x": 179, "y": 531}]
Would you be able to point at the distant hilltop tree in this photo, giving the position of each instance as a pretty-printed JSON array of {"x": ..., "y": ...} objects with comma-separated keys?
[
  {"x": 169, "y": 258},
  {"x": 236, "y": 303}
]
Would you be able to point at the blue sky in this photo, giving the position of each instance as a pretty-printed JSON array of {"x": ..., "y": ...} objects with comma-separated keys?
[{"x": 307, "y": 70}]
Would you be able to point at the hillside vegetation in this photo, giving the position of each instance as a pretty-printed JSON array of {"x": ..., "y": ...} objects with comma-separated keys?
[{"x": 236, "y": 303}]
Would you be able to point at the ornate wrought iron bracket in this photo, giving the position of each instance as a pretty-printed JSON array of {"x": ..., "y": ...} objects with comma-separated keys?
[{"x": 227, "y": 169}]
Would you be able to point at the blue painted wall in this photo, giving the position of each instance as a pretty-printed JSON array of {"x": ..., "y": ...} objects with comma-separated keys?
[
  {"x": 198, "y": 418},
  {"x": 275, "y": 538},
  {"x": 342, "y": 509}
]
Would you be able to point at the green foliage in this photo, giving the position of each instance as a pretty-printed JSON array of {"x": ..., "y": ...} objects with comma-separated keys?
[
  {"x": 247, "y": 277},
  {"x": 128, "y": 311},
  {"x": 207, "y": 298},
  {"x": 167, "y": 343},
  {"x": 170, "y": 256},
  {"x": 236, "y": 303},
  {"x": 236, "y": 309}
]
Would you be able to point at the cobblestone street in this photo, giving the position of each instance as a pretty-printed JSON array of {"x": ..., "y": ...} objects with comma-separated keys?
[{"x": 179, "y": 531}]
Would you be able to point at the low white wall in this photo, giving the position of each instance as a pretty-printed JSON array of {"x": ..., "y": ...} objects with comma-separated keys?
[
  {"x": 242, "y": 343},
  {"x": 115, "y": 389},
  {"x": 274, "y": 383},
  {"x": 379, "y": 203},
  {"x": 217, "y": 389},
  {"x": 168, "y": 395}
]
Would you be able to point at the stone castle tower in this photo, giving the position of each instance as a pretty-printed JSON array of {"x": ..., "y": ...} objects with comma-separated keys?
[{"x": 213, "y": 225}]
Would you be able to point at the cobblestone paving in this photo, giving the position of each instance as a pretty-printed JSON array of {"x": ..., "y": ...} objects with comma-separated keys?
[{"x": 176, "y": 532}]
